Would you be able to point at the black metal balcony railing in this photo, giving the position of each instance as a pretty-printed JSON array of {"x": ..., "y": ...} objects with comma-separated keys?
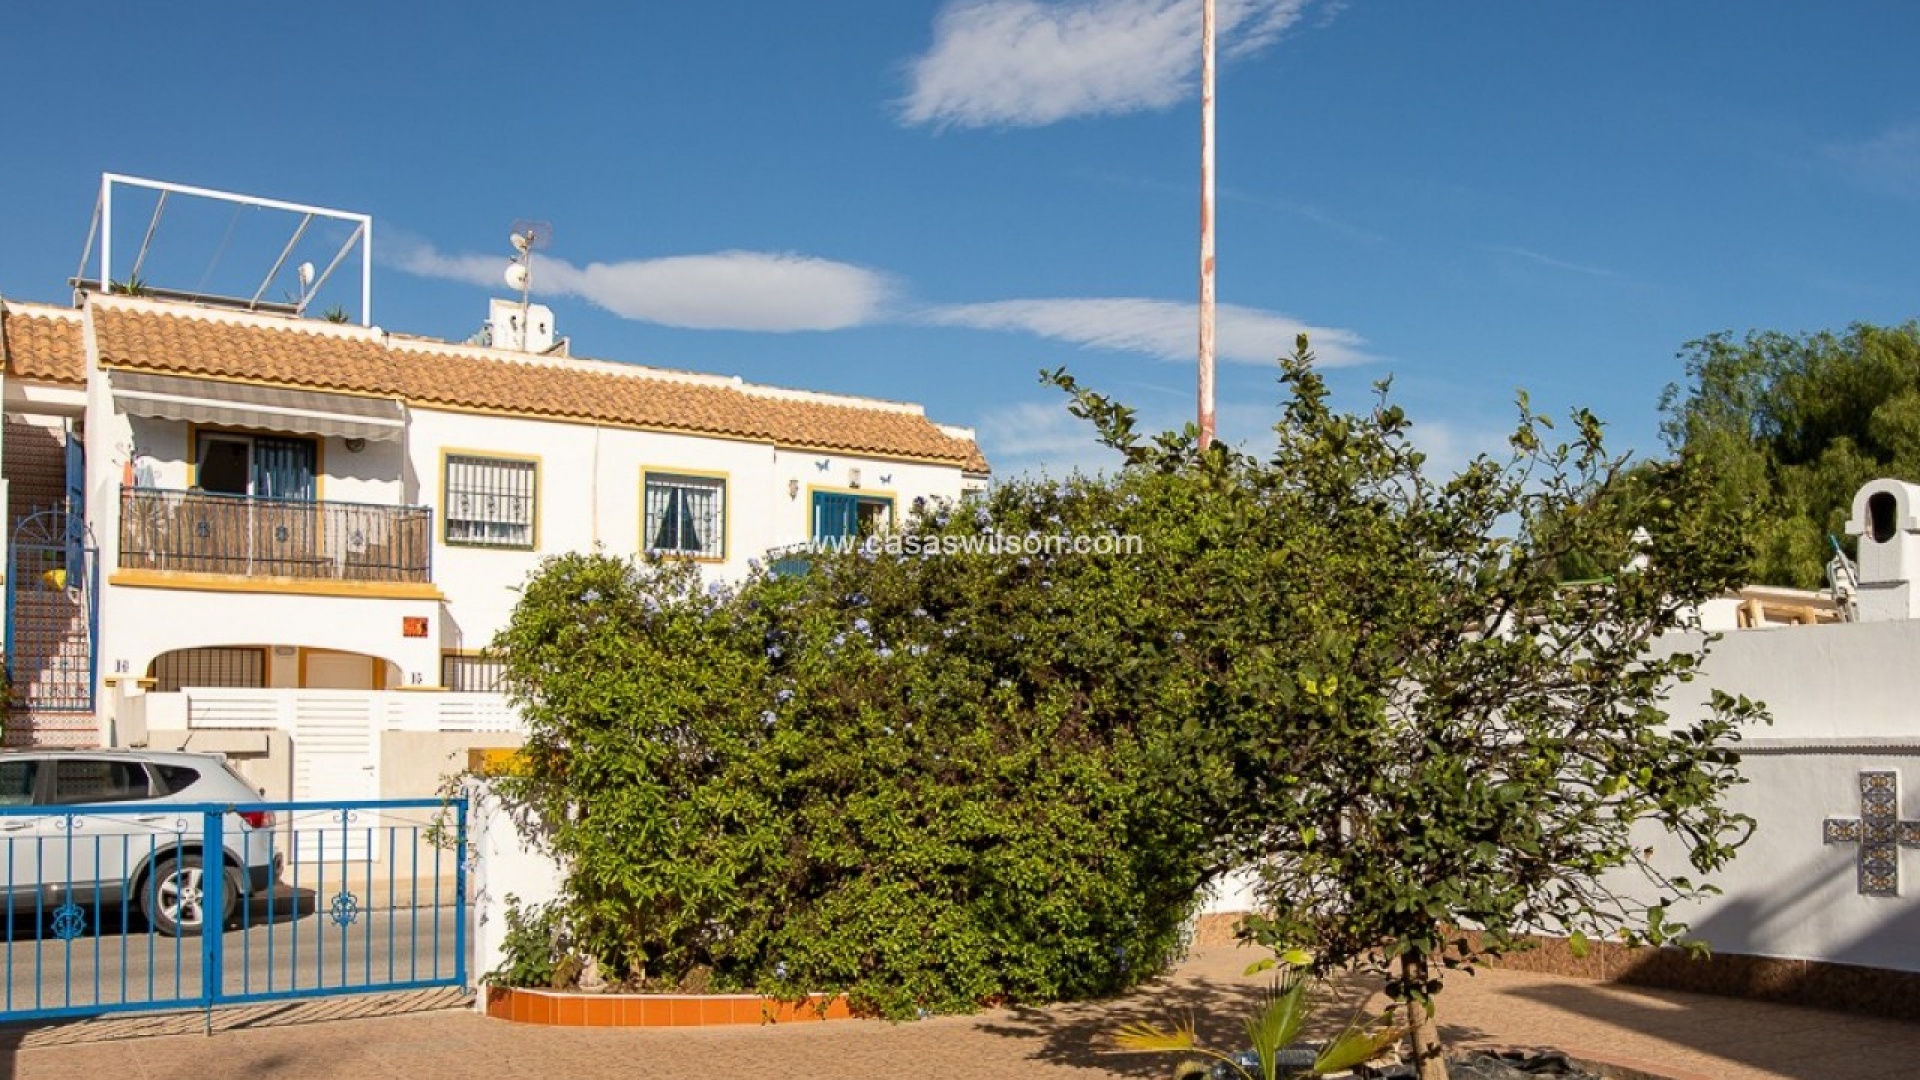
[{"x": 197, "y": 532}]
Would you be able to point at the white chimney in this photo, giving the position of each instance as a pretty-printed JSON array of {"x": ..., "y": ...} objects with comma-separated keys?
[{"x": 1886, "y": 518}]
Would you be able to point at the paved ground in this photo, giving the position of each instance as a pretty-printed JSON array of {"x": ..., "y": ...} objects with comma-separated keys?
[{"x": 421, "y": 1038}]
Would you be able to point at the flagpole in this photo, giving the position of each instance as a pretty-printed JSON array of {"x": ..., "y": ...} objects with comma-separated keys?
[{"x": 1206, "y": 223}]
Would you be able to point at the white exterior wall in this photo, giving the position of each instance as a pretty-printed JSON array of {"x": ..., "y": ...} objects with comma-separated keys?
[
  {"x": 375, "y": 474},
  {"x": 589, "y": 496},
  {"x": 799, "y": 471},
  {"x": 1842, "y": 698},
  {"x": 1789, "y": 895},
  {"x": 139, "y": 623},
  {"x": 506, "y": 862},
  {"x": 163, "y": 449},
  {"x": 1839, "y": 680}
]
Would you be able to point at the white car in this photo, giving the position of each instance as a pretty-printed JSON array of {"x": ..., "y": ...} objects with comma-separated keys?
[{"x": 136, "y": 845}]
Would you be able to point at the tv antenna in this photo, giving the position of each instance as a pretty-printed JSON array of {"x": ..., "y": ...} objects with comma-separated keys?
[{"x": 526, "y": 238}]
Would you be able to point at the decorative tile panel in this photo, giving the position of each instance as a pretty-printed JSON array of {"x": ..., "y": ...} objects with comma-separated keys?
[{"x": 1879, "y": 832}]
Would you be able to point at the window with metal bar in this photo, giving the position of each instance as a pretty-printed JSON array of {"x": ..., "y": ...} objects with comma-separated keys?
[
  {"x": 685, "y": 515},
  {"x": 466, "y": 674},
  {"x": 246, "y": 668},
  {"x": 490, "y": 501}
]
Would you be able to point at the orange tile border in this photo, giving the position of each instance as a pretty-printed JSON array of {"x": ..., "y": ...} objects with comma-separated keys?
[{"x": 558, "y": 1008}]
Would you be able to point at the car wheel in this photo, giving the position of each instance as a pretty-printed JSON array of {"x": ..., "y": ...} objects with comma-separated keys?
[{"x": 175, "y": 899}]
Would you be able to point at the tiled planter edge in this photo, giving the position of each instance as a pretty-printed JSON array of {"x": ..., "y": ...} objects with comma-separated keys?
[{"x": 564, "y": 1009}]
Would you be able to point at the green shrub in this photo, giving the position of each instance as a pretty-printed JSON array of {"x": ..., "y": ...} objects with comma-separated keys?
[
  {"x": 535, "y": 950},
  {"x": 906, "y": 779}
]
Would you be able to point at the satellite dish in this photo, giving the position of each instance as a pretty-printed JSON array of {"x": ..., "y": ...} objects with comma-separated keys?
[
  {"x": 529, "y": 235},
  {"x": 517, "y": 276},
  {"x": 305, "y": 273}
]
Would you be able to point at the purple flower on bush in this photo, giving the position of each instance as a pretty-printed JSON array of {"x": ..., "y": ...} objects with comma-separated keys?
[
  {"x": 785, "y": 695},
  {"x": 862, "y": 626}
]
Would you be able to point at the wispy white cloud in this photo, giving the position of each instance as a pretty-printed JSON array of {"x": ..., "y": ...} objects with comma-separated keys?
[
  {"x": 1159, "y": 328},
  {"x": 1025, "y": 63},
  {"x": 767, "y": 292},
  {"x": 726, "y": 290},
  {"x": 1041, "y": 437},
  {"x": 1033, "y": 437},
  {"x": 1888, "y": 162},
  {"x": 1308, "y": 212},
  {"x": 1450, "y": 445},
  {"x": 1556, "y": 264}
]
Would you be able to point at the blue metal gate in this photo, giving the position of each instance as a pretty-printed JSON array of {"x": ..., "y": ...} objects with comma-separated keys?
[
  {"x": 113, "y": 908},
  {"x": 53, "y": 579}
]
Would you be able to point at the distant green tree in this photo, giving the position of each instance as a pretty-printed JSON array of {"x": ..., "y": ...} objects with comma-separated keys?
[{"x": 1791, "y": 426}]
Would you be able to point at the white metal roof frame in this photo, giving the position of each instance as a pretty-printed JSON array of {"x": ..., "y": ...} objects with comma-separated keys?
[{"x": 362, "y": 234}]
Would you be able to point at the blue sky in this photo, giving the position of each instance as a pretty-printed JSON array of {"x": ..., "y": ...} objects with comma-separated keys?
[{"x": 932, "y": 201}]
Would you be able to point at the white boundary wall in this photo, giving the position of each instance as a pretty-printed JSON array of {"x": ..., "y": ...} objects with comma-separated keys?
[
  {"x": 1845, "y": 699},
  {"x": 504, "y": 862}
]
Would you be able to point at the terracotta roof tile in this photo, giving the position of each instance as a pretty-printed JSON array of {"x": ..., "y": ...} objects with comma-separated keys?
[
  {"x": 47, "y": 344},
  {"x": 148, "y": 340},
  {"x": 639, "y": 398},
  {"x": 425, "y": 372}
]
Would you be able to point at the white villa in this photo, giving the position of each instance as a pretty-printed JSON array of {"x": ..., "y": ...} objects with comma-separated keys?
[{"x": 234, "y": 529}]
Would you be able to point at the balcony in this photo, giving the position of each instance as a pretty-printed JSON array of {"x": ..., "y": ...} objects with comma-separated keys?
[{"x": 194, "y": 532}]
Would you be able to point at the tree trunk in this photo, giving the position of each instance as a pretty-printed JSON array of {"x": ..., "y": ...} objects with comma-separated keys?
[{"x": 1428, "y": 1060}]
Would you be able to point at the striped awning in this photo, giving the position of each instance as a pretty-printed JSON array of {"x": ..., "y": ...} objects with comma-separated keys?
[{"x": 270, "y": 408}]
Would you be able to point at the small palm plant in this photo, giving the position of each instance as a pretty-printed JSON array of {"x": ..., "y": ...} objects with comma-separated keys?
[{"x": 1284, "y": 1009}]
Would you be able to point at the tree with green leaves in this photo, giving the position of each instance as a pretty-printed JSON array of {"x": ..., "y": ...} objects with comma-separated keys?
[
  {"x": 1792, "y": 426},
  {"x": 1443, "y": 736},
  {"x": 933, "y": 775}
]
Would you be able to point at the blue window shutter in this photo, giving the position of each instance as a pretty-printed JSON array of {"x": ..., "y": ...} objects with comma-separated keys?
[
  {"x": 835, "y": 516},
  {"x": 76, "y": 537},
  {"x": 76, "y": 477}
]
